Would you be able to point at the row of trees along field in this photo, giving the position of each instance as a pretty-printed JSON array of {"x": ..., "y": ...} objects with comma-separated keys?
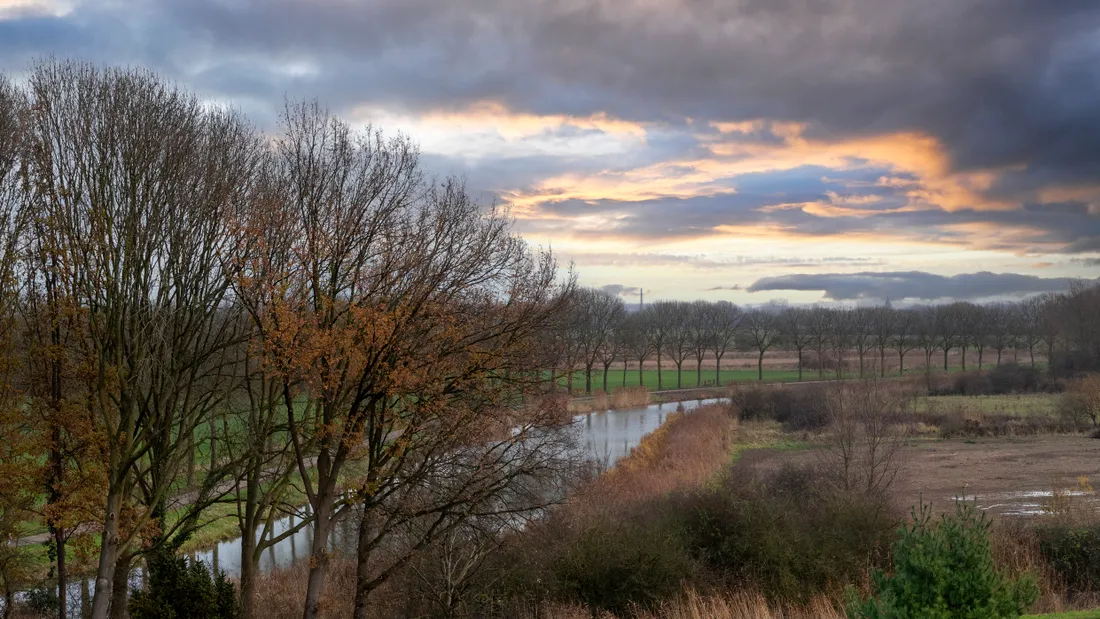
[
  {"x": 599, "y": 333},
  {"x": 196, "y": 313}
]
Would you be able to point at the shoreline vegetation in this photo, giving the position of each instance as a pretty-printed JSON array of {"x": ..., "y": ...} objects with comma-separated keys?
[{"x": 691, "y": 457}]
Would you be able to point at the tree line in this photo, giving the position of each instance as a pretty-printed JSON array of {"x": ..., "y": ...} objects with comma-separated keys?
[
  {"x": 598, "y": 333},
  {"x": 196, "y": 312}
]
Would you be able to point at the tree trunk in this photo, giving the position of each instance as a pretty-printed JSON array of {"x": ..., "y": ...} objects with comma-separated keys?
[
  {"x": 248, "y": 574},
  {"x": 606, "y": 369},
  {"x": 698, "y": 372},
  {"x": 553, "y": 380},
  {"x": 85, "y": 599},
  {"x": 318, "y": 558},
  {"x": 62, "y": 574},
  {"x": 213, "y": 444},
  {"x": 882, "y": 362},
  {"x": 799, "y": 365},
  {"x": 190, "y": 460},
  {"x": 718, "y": 370},
  {"x": 963, "y": 359},
  {"x": 624, "y": 372},
  {"x": 945, "y": 350},
  {"x": 901, "y": 363},
  {"x": 120, "y": 590},
  {"x": 861, "y": 365},
  {"x": 105, "y": 571},
  {"x": 760, "y": 367},
  {"x": 641, "y": 373},
  {"x": 679, "y": 374},
  {"x": 363, "y": 584},
  {"x": 658, "y": 370},
  {"x": 588, "y": 379}
]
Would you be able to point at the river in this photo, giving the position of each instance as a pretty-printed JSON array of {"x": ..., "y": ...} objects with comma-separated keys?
[{"x": 607, "y": 437}]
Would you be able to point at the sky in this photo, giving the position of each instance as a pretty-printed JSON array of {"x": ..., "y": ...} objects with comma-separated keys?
[{"x": 842, "y": 151}]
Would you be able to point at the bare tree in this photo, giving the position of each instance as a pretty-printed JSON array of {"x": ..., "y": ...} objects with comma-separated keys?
[
  {"x": 904, "y": 337},
  {"x": 819, "y": 322},
  {"x": 725, "y": 318},
  {"x": 862, "y": 333},
  {"x": 759, "y": 332},
  {"x": 598, "y": 313},
  {"x": 796, "y": 332},
  {"x": 615, "y": 346},
  {"x": 1002, "y": 327},
  {"x": 406, "y": 332},
  {"x": 701, "y": 334},
  {"x": 1030, "y": 317},
  {"x": 883, "y": 323},
  {"x": 842, "y": 330},
  {"x": 865, "y": 441},
  {"x": 950, "y": 329},
  {"x": 638, "y": 329},
  {"x": 927, "y": 332},
  {"x": 674, "y": 321},
  {"x": 136, "y": 225}
]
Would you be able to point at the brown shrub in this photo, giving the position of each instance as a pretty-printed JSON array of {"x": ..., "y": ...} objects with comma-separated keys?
[
  {"x": 687, "y": 450},
  {"x": 1081, "y": 401},
  {"x": 280, "y": 594}
]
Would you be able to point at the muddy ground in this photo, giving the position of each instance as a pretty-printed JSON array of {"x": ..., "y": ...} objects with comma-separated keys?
[{"x": 1004, "y": 476}]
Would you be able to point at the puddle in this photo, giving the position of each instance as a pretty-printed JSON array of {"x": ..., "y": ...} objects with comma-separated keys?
[{"x": 1032, "y": 502}]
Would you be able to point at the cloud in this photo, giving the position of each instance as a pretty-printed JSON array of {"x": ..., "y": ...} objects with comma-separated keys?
[
  {"x": 1089, "y": 262},
  {"x": 997, "y": 84},
  {"x": 704, "y": 261},
  {"x": 961, "y": 123},
  {"x": 620, "y": 290},
  {"x": 915, "y": 285},
  {"x": 717, "y": 288}
]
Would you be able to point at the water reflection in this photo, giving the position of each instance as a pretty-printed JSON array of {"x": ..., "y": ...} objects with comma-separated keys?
[{"x": 607, "y": 438}]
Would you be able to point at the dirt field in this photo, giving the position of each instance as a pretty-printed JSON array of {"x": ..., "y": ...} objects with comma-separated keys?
[{"x": 1004, "y": 476}]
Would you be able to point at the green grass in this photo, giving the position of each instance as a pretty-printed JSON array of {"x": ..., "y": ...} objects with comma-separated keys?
[
  {"x": 1020, "y": 405},
  {"x": 1074, "y": 614},
  {"x": 688, "y": 378}
]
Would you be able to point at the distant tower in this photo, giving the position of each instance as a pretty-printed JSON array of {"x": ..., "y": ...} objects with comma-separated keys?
[
  {"x": 888, "y": 305},
  {"x": 641, "y": 299}
]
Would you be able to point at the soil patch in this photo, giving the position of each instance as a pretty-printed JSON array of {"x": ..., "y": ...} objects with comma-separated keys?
[{"x": 1014, "y": 476}]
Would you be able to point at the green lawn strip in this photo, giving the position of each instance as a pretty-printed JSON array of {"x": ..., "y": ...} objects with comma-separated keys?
[
  {"x": 1073, "y": 614},
  {"x": 688, "y": 378},
  {"x": 1018, "y": 405}
]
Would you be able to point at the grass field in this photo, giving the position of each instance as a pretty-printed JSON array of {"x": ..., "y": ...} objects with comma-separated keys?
[
  {"x": 1074, "y": 614},
  {"x": 668, "y": 378},
  {"x": 688, "y": 378},
  {"x": 1020, "y": 405}
]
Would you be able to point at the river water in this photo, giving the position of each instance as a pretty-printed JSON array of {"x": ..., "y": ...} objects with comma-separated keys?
[{"x": 606, "y": 436}]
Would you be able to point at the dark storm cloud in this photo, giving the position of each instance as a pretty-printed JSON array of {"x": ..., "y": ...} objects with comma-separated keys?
[
  {"x": 916, "y": 285},
  {"x": 620, "y": 290},
  {"x": 1000, "y": 81}
]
